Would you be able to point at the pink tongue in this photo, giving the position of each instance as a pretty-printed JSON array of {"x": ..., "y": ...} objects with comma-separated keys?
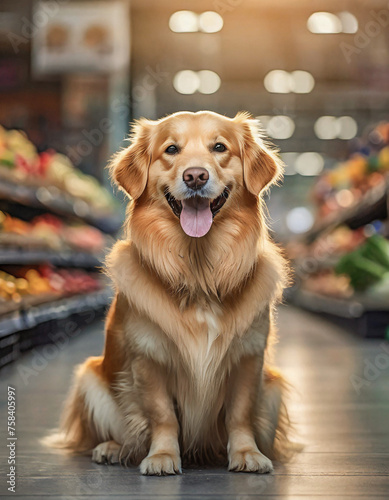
[{"x": 196, "y": 216}]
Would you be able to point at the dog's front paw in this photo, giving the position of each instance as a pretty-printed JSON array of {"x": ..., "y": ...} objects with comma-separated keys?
[
  {"x": 106, "y": 453},
  {"x": 249, "y": 461},
  {"x": 161, "y": 464}
]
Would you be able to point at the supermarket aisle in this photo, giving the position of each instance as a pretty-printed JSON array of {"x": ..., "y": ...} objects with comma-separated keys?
[{"x": 341, "y": 412}]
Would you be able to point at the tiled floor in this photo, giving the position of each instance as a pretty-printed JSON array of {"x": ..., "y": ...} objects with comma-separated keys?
[{"x": 340, "y": 407}]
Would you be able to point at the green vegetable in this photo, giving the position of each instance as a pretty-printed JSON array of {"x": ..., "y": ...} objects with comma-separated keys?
[
  {"x": 376, "y": 249},
  {"x": 363, "y": 272},
  {"x": 373, "y": 164}
]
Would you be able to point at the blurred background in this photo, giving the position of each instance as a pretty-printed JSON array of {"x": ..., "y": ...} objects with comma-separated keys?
[{"x": 74, "y": 74}]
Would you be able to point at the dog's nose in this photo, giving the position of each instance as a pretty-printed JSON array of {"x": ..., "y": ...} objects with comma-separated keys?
[{"x": 195, "y": 177}]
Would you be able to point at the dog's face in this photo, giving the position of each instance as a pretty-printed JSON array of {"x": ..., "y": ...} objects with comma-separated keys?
[{"x": 196, "y": 166}]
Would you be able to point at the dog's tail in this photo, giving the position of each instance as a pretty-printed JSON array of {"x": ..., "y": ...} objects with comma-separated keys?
[{"x": 272, "y": 424}]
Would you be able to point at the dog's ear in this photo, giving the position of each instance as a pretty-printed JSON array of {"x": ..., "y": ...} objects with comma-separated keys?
[
  {"x": 129, "y": 167},
  {"x": 261, "y": 165}
]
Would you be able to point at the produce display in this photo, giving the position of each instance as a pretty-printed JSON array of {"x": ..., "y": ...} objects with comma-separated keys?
[
  {"x": 44, "y": 282},
  {"x": 342, "y": 264},
  {"x": 346, "y": 184},
  {"x": 366, "y": 265},
  {"x": 328, "y": 283},
  {"x": 353, "y": 269},
  {"x": 55, "y": 225},
  {"x": 50, "y": 232},
  {"x": 21, "y": 163}
]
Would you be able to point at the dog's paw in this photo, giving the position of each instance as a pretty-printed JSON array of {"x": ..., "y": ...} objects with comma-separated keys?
[
  {"x": 106, "y": 453},
  {"x": 161, "y": 464},
  {"x": 249, "y": 461}
]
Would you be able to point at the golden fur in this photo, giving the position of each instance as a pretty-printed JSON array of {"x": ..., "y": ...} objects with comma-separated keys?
[{"x": 186, "y": 370}]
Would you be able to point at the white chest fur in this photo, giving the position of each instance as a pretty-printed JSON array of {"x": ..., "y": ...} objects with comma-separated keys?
[{"x": 209, "y": 319}]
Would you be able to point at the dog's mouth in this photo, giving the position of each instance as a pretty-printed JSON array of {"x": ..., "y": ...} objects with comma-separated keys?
[{"x": 196, "y": 214}]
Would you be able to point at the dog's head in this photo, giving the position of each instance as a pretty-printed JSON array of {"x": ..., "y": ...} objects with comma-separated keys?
[{"x": 196, "y": 167}]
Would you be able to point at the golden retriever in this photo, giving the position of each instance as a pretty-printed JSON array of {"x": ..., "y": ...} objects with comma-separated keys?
[{"x": 185, "y": 373}]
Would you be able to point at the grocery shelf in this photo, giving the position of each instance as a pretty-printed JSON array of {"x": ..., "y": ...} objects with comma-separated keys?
[
  {"x": 311, "y": 265},
  {"x": 372, "y": 206},
  {"x": 56, "y": 201},
  {"x": 33, "y": 315},
  {"x": 21, "y": 256},
  {"x": 51, "y": 322},
  {"x": 366, "y": 315}
]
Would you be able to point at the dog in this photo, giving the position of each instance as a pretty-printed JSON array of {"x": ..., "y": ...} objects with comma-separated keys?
[{"x": 186, "y": 374}]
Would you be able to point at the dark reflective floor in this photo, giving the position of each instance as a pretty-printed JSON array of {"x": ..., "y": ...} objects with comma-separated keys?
[{"x": 340, "y": 408}]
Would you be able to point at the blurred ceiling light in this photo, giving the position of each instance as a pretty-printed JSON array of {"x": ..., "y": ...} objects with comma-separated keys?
[
  {"x": 184, "y": 21},
  {"x": 189, "y": 82},
  {"x": 280, "y": 127},
  {"x": 279, "y": 81},
  {"x": 186, "y": 82},
  {"x": 210, "y": 22},
  {"x": 349, "y": 22},
  {"x": 209, "y": 82},
  {"x": 309, "y": 163},
  {"x": 299, "y": 220},
  {"x": 324, "y": 22},
  {"x": 327, "y": 127},
  {"x": 303, "y": 82},
  {"x": 348, "y": 127},
  {"x": 331, "y": 127},
  {"x": 289, "y": 159}
]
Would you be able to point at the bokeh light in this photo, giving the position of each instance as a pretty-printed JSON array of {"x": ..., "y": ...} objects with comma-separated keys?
[
  {"x": 327, "y": 127},
  {"x": 209, "y": 82},
  {"x": 345, "y": 198},
  {"x": 332, "y": 127},
  {"x": 184, "y": 21},
  {"x": 186, "y": 82},
  {"x": 299, "y": 220},
  {"x": 189, "y": 82},
  {"x": 324, "y": 22},
  {"x": 279, "y": 81},
  {"x": 328, "y": 23},
  {"x": 349, "y": 22},
  {"x": 210, "y": 22},
  {"x": 348, "y": 127},
  {"x": 303, "y": 82},
  {"x": 280, "y": 127},
  {"x": 309, "y": 163},
  {"x": 289, "y": 159}
]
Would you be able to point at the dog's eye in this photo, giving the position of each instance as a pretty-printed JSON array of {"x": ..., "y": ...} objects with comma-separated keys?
[
  {"x": 219, "y": 147},
  {"x": 171, "y": 150}
]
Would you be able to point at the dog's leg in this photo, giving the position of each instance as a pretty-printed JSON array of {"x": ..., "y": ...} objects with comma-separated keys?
[
  {"x": 164, "y": 454},
  {"x": 107, "y": 453},
  {"x": 243, "y": 452}
]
